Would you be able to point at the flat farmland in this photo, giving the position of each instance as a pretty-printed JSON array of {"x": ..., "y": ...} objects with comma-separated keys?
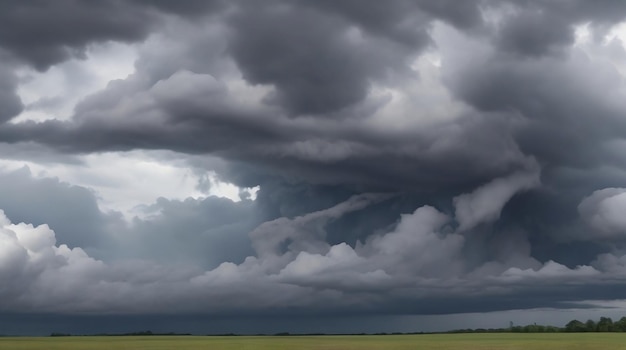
[{"x": 505, "y": 341}]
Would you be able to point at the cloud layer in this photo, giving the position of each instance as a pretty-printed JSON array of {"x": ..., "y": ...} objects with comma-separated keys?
[{"x": 404, "y": 156}]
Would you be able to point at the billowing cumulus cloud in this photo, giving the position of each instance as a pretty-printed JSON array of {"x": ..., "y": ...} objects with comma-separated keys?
[
  {"x": 339, "y": 157},
  {"x": 411, "y": 264},
  {"x": 603, "y": 211}
]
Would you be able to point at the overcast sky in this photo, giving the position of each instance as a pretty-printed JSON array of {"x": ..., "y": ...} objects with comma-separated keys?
[{"x": 307, "y": 166}]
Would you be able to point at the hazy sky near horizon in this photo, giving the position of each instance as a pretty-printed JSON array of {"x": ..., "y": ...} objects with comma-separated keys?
[{"x": 448, "y": 162}]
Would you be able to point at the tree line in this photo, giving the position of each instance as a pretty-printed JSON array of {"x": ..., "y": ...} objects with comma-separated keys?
[{"x": 605, "y": 324}]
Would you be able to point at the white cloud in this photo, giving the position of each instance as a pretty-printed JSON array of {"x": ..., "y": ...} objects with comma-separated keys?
[
  {"x": 126, "y": 181},
  {"x": 485, "y": 203},
  {"x": 550, "y": 269},
  {"x": 604, "y": 211},
  {"x": 54, "y": 93}
]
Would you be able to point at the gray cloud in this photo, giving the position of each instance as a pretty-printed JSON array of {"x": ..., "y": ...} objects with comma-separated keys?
[
  {"x": 265, "y": 48},
  {"x": 10, "y": 102},
  {"x": 412, "y": 157},
  {"x": 530, "y": 28},
  {"x": 43, "y": 34},
  {"x": 71, "y": 210},
  {"x": 186, "y": 8},
  {"x": 410, "y": 264},
  {"x": 603, "y": 209},
  {"x": 485, "y": 203},
  {"x": 194, "y": 232}
]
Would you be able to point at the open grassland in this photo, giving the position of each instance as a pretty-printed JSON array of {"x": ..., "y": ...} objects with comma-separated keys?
[{"x": 507, "y": 341}]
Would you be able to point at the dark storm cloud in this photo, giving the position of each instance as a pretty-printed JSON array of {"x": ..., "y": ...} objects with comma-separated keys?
[
  {"x": 412, "y": 156},
  {"x": 42, "y": 33},
  {"x": 315, "y": 69},
  {"x": 320, "y": 152},
  {"x": 534, "y": 34},
  {"x": 406, "y": 22},
  {"x": 537, "y": 28},
  {"x": 329, "y": 68},
  {"x": 561, "y": 99},
  {"x": 186, "y": 8},
  {"x": 10, "y": 103},
  {"x": 323, "y": 56},
  {"x": 78, "y": 220}
]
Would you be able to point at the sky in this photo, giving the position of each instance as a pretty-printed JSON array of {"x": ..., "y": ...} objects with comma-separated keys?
[{"x": 310, "y": 166}]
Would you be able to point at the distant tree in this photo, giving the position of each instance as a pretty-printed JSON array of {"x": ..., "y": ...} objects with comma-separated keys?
[
  {"x": 552, "y": 329},
  {"x": 620, "y": 325},
  {"x": 605, "y": 325},
  {"x": 575, "y": 326},
  {"x": 534, "y": 328},
  {"x": 590, "y": 326}
]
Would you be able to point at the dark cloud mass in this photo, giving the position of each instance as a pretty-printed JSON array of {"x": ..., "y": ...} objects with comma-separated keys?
[
  {"x": 42, "y": 34},
  {"x": 9, "y": 100},
  {"x": 411, "y": 157}
]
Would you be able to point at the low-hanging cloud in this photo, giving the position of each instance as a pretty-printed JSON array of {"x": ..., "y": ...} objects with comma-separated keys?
[{"x": 412, "y": 262}]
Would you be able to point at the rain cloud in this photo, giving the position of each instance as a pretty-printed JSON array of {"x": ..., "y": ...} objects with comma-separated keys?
[{"x": 346, "y": 157}]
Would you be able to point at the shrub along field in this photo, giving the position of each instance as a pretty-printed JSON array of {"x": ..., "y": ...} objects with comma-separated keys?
[{"x": 491, "y": 341}]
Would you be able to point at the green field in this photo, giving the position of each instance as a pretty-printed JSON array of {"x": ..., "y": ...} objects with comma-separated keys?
[{"x": 569, "y": 341}]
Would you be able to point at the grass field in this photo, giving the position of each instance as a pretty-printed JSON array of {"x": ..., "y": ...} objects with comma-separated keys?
[{"x": 508, "y": 341}]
